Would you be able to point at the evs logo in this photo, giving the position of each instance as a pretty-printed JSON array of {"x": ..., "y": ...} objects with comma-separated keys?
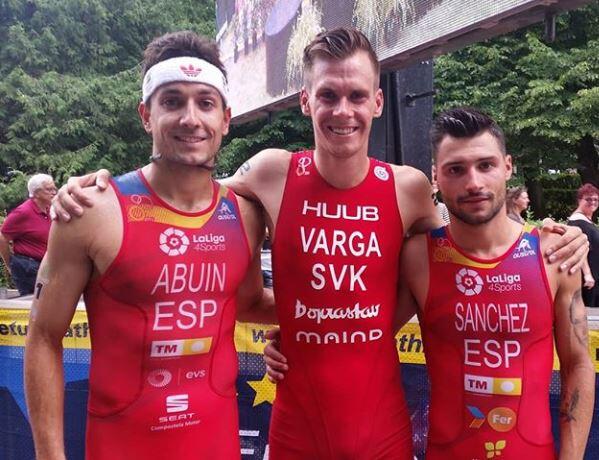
[
  {"x": 468, "y": 282},
  {"x": 173, "y": 242},
  {"x": 177, "y": 403}
]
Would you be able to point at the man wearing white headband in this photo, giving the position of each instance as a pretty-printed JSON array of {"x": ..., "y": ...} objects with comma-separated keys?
[{"x": 166, "y": 259}]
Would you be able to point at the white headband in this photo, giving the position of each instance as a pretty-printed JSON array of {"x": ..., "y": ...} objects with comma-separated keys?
[{"x": 183, "y": 69}]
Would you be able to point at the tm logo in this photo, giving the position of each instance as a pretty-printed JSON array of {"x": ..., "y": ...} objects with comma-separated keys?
[
  {"x": 173, "y": 242},
  {"x": 468, "y": 282}
]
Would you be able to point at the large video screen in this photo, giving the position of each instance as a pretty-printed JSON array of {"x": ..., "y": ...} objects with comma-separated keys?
[{"x": 262, "y": 41}]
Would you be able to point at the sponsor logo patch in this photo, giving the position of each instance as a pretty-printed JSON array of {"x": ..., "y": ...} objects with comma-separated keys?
[
  {"x": 468, "y": 282},
  {"x": 172, "y": 348},
  {"x": 173, "y": 242}
]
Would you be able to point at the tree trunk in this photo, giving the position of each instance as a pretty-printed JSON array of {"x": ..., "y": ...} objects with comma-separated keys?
[
  {"x": 588, "y": 161},
  {"x": 535, "y": 193}
]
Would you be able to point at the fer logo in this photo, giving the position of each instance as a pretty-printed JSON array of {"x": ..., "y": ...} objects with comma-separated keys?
[
  {"x": 173, "y": 242},
  {"x": 468, "y": 282},
  {"x": 302, "y": 166},
  {"x": 177, "y": 403}
]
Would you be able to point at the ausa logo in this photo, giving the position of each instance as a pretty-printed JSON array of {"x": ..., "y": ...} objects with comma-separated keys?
[
  {"x": 524, "y": 249},
  {"x": 173, "y": 242},
  {"x": 468, "y": 282},
  {"x": 225, "y": 212}
]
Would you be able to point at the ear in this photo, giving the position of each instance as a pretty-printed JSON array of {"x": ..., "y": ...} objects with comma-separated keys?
[
  {"x": 434, "y": 175},
  {"x": 508, "y": 167},
  {"x": 379, "y": 101},
  {"x": 227, "y": 121},
  {"x": 144, "y": 114},
  {"x": 305, "y": 101}
]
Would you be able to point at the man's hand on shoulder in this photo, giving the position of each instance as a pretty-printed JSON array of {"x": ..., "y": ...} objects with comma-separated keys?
[
  {"x": 71, "y": 197},
  {"x": 569, "y": 250}
]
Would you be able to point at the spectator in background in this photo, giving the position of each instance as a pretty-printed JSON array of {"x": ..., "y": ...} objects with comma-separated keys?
[
  {"x": 27, "y": 227},
  {"x": 588, "y": 202},
  {"x": 516, "y": 201}
]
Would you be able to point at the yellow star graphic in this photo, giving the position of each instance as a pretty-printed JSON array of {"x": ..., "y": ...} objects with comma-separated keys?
[{"x": 265, "y": 390}]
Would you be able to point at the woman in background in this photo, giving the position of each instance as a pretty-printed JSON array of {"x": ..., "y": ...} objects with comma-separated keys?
[
  {"x": 588, "y": 202},
  {"x": 517, "y": 201}
]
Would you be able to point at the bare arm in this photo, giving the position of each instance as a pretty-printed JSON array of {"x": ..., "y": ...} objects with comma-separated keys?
[
  {"x": 414, "y": 198},
  {"x": 63, "y": 274},
  {"x": 5, "y": 251},
  {"x": 254, "y": 302},
  {"x": 576, "y": 368}
]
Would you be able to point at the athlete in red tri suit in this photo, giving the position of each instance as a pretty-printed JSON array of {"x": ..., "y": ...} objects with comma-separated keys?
[
  {"x": 336, "y": 275},
  {"x": 167, "y": 259},
  {"x": 489, "y": 309},
  {"x": 175, "y": 385}
]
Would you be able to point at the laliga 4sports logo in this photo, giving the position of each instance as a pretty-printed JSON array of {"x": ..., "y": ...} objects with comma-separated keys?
[
  {"x": 173, "y": 242},
  {"x": 468, "y": 282}
]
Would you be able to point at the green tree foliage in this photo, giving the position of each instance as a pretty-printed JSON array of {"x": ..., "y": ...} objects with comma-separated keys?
[
  {"x": 70, "y": 82},
  {"x": 544, "y": 95}
]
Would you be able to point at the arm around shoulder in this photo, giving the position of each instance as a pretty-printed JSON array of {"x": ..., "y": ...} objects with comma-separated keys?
[{"x": 260, "y": 174}]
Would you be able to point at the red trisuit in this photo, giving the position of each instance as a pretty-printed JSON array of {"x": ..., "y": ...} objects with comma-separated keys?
[
  {"x": 163, "y": 365},
  {"x": 488, "y": 341},
  {"x": 336, "y": 256}
]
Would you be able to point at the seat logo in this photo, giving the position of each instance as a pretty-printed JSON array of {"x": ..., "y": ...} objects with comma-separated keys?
[{"x": 177, "y": 403}]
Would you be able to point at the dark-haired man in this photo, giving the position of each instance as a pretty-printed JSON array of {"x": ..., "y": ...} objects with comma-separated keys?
[
  {"x": 337, "y": 219},
  {"x": 489, "y": 327},
  {"x": 163, "y": 257}
]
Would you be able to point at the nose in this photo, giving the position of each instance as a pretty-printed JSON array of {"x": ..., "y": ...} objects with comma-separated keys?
[
  {"x": 190, "y": 118},
  {"x": 473, "y": 180},
  {"x": 343, "y": 107}
]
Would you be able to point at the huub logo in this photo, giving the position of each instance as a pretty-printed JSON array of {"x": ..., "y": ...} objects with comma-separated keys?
[
  {"x": 468, "y": 282},
  {"x": 173, "y": 242},
  {"x": 302, "y": 166}
]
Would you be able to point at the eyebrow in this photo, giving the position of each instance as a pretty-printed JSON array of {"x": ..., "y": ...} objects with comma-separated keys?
[{"x": 489, "y": 158}]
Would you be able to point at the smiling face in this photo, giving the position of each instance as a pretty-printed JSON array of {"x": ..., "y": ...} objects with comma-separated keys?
[
  {"x": 342, "y": 97},
  {"x": 187, "y": 122},
  {"x": 471, "y": 174},
  {"x": 588, "y": 204}
]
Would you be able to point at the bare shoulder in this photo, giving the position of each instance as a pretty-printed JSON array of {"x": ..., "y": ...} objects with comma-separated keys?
[
  {"x": 414, "y": 198},
  {"x": 260, "y": 173},
  {"x": 96, "y": 219}
]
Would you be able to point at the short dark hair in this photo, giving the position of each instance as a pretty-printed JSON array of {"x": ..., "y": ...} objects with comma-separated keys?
[
  {"x": 337, "y": 44},
  {"x": 464, "y": 122},
  {"x": 585, "y": 190},
  {"x": 179, "y": 44}
]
